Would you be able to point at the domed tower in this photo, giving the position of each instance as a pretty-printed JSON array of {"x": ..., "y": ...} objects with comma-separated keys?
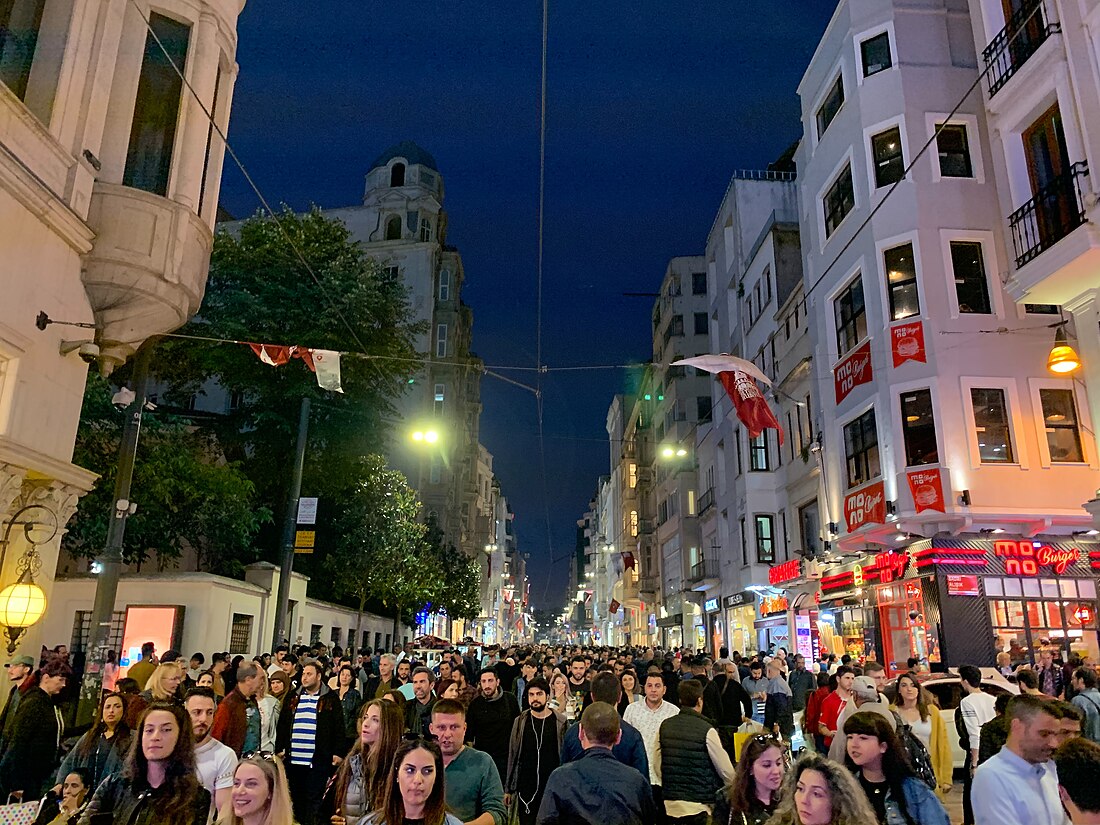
[{"x": 405, "y": 192}]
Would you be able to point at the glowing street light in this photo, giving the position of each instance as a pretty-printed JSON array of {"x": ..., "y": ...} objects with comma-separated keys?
[{"x": 425, "y": 436}]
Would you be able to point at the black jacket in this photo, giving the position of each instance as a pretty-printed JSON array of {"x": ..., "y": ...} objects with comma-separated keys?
[
  {"x": 132, "y": 805},
  {"x": 31, "y": 756},
  {"x": 330, "y": 728},
  {"x": 686, "y": 770},
  {"x": 736, "y": 705},
  {"x": 489, "y": 726},
  {"x": 597, "y": 789}
]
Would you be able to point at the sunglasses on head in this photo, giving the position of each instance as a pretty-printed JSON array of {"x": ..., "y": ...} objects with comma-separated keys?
[
  {"x": 267, "y": 756},
  {"x": 763, "y": 738}
]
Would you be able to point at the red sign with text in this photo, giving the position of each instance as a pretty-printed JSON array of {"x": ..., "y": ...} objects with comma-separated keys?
[
  {"x": 865, "y": 506},
  {"x": 852, "y": 371},
  {"x": 927, "y": 489},
  {"x": 963, "y": 585},
  {"x": 1023, "y": 558},
  {"x": 785, "y": 572},
  {"x": 907, "y": 343}
]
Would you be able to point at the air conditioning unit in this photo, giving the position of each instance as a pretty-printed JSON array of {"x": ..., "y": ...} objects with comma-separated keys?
[{"x": 813, "y": 569}]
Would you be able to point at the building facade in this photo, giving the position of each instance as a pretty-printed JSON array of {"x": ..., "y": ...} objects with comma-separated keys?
[{"x": 109, "y": 185}]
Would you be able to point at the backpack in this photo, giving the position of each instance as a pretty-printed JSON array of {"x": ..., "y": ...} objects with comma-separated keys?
[{"x": 918, "y": 754}]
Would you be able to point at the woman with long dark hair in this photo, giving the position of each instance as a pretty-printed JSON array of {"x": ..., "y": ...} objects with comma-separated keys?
[
  {"x": 102, "y": 750},
  {"x": 158, "y": 785},
  {"x": 350, "y": 700},
  {"x": 917, "y": 709},
  {"x": 881, "y": 766},
  {"x": 415, "y": 791},
  {"x": 360, "y": 782},
  {"x": 64, "y": 806},
  {"x": 752, "y": 796}
]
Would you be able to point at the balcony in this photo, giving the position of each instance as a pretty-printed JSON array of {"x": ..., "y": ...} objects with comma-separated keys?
[
  {"x": 648, "y": 585},
  {"x": 1021, "y": 37},
  {"x": 1052, "y": 214},
  {"x": 704, "y": 574},
  {"x": 706, "y": 501}
]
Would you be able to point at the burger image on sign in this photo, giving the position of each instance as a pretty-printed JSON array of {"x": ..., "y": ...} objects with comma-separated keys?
[
  {"x": 908, "y": 346},
  {"x": 926, "y": 495}
]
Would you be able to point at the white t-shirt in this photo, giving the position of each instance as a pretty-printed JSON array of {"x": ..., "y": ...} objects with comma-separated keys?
[{"x": 215, "y": 764}]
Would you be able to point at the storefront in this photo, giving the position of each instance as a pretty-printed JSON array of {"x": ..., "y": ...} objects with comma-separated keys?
[
  {"x": 1014, "y": 595},
  {"x": 842, "y": 622},
  {"x": 772, "y": 627},
  {"x": 671, "y": 630},
  {"x": 712, "y": 607},
  {"x": 740, "y": 620}
]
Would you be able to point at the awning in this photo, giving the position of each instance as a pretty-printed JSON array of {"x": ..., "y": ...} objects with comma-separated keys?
[{"x": 775, "y": 621}]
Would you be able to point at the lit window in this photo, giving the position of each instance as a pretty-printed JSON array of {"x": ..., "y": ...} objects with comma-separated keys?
[
  {"x": 1060, "y": 421},
  {"x": 831, "y": 105},
  {"x": 875, "y": 52},
  {"x": 901, "y": 281},
  {"x": 861, "y": 449},
  {"x": 634, "y": 523},
  {"x": 759, "y": 459},
  {"x": 839, "y": 200},
  {"x": 991, "y": 425},
  {"x": 765, "y": 539},
  {"x": 632, "y": 475},
  {"x": 918, "y": 425},
  {"x": 887, "y": 157},
  {"x": 440, "y": 395},
  {"x": 971, "y": 287}
]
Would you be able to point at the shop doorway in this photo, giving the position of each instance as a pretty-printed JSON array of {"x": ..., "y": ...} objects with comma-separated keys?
[
  {"x": 905, "y": 629},
  {"x": 1028, "y": 614}
]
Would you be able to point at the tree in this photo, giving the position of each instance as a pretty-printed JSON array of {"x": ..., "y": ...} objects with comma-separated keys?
[
  {"x": 458, "y": 582},
  {"x": 379, "y": 544},
  {"x": 258, "y": 290},
  {"x": 188, "y": 496}
]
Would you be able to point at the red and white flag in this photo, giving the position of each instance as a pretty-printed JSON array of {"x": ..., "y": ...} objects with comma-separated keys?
[
  {"x": 272, "y": 354},
  {"x": 326, "y": 363},
  {"x": 752, "y": 408}
]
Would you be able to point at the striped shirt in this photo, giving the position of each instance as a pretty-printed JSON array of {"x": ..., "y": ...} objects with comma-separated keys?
[{"x": 303, "y": 733}]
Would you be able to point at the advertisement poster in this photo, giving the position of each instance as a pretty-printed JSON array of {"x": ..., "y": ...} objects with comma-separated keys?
[
  {"x": 866, "y": 505},
  {"x": 907, "y": 343},
  {"x": 927, "y": 489},
  {"x": 852, "y": 371}
]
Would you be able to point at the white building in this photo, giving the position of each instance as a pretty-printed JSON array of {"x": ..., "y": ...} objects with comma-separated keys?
[{"x": 109, "y": 184}]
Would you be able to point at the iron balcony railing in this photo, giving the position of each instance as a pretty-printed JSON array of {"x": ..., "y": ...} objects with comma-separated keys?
[
  {"x": 706, "y": 501},
  {"x": 1055, "y": 211},
  {"x": 1021, "y": 37},
  {"x": 703, "y": 569}
]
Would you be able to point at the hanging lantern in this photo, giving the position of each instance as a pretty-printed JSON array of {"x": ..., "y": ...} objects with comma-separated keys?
[
  {"x": 1063, "y": 358},
  {"x": 21, "y": 605}
]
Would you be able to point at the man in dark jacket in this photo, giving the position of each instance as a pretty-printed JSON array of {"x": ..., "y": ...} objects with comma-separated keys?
[
  {"x": 310, "y": 734},
  {"x": 598, "y": 789},
  {"x": 630, "y": 747},
  {"x": 237, "y": 722},
  {"x": 802, "y": 683},
  {"x": 489, "y": 720},
  {"x": 31, "y": 757},
  {"x": 418, "y": 712},
  {"x": 19, "y": 674},
  {"x": 384, "y": 680},
  {"x": 691, "y": 763}
]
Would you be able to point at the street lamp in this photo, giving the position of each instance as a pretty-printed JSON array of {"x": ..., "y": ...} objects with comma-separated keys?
[
  {"x": 426, "y": 436},
  {"x": 669, "y": 452},
  {"x": 1063, "y": 358},
  {"x": 23, "y": 603}
]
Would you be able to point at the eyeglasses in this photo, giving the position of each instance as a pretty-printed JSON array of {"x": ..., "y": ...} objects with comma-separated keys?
[{"x": 267, "y": 756}]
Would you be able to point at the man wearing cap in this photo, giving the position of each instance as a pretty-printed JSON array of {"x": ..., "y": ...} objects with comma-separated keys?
[
  {"x": 865, "y": 698},
  {"x": 141, "y": 671},
  {"x": 19, "y": 674}
]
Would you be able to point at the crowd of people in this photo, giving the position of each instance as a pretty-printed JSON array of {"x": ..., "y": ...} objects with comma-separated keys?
[{"x": 546, "y": 735}]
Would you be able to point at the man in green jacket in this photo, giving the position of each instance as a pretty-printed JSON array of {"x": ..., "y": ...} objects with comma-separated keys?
[{"x": 474, "y": 791}]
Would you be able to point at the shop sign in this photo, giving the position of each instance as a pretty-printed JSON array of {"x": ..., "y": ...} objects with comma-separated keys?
[
  {"x": 885, "y": 567},
  {"x": 803, "y": 637},
  {"x": 785, "y": 572},
  {"x": 774, "y": 604},
  {"x": 674, "y": 620},
  {"x": 865, "y": 506},
  {"x": 738, "y": 599},
  {"x": 963, "y": 586},
  {"x": 710, "y": 605},
  {"x": 1023, "y": 558},
  {"x": 907, "y": 343},
  {"x": 1084, "y": 614},
  {"x": 927, "y": 489},
  {"x": 852, "y": 371}
]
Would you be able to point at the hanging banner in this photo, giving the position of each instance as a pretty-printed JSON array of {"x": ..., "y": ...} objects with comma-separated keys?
[
  {"x": 927, "y": 489},
  {"x": 614, "y": 606},
  {"x": 907, "y": 343},
  {"x": 865, "y": 506},
  {"x": 852, "y": 371}
]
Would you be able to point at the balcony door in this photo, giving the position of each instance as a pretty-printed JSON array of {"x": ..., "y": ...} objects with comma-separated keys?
[
  {"x": 1028, "y": 15},
  {"x": 1048, "y": 169}
]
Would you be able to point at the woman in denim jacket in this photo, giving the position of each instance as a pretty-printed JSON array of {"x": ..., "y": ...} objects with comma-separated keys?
[{"x": 881, "y": 767}]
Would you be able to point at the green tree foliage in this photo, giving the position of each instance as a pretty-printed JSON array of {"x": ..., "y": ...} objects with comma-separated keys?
[
  {"x": 458, "y": 578},
  {"x": 377, "y": 552},
  {"x": 187, "y": 495}
]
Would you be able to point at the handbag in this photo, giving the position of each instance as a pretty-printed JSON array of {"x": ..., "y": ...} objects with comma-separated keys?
[{"x": 19, "y": 813}]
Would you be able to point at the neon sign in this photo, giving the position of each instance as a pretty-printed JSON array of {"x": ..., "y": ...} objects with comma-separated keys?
[
  {"x": 1023, "y": 558},
  {"x": 785, "y": 572}
]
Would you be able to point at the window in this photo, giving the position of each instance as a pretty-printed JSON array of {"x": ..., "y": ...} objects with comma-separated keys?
[
  {"x": 703, "y": 408},
  {"x": 440, "y": 395},
  {"x": 211, "y": 134},
  {"x": 838, "y": 201},
  {"x": 744, "y": 543},
  {"x": 765, "y": 539},
  {"x": 676, "y": 325},
  {"x": 633, "y": 523},
  {"x": 1041, "y": 309},
  {"x": 887, "y": 155},
  {"x": 701, "y": 323},
  {"x": 632, "y": 475},
  {"x": 691, "y": 503},
  {"x": 393, "y": 228},
  {"x": 737, "y": 448},
  {"x": 875, "y": 52},
  {"x": 335, "y": 634},
  {"x": 314, "y": 634},
  {"x": 1060, "y": 420},
  {"x": 758, "y": 453},
  {"x": 971, "y": 288},
  {"x": 698, "y": 283},
  {"x": 954, "y": 150},
  {"x": 82, "y": 622},
  {"x": 236, "y": 399},
  {"x": 397, "y": 174},
  {"x": 766, "y": 279},
  {"x": 851, "y": 316},
  {"x": 20, "y": 21},
  {"x": 901, "y": 281},
  {"x": 809, "y": 522},
  {"x": 156, "y": 108},
  {"x": 377, "y": 640},
  {"x": 991, "y": 426},
  {"x": 441, "y": 341},
  {"x": 830, "y": 106},
  {"x": 240, "y": 634},
  {"x": 425, "y": 230},
  {"x": 444, "y": 285},
  {"x": 435, "y": 474},
  {"x": 918, "y": 425},
  {"x": 784, "y": 537},
  {"x": 861, "y": 449}
]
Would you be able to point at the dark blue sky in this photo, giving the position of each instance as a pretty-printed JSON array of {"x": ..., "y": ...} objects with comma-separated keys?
[{"x": 651, "y": 106}]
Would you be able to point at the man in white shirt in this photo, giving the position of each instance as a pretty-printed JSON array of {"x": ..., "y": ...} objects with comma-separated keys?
[
  {"x": 647, "y": 717},
  {"x": 1020, "y": 783},
  {"x": 976, "y": 708},
  {"x": 214, "y": 762}
]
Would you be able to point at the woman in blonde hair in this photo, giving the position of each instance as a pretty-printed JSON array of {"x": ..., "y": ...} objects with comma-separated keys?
[
  {"x": 164, "y": 684},
  {"x": 260, "y": 795},
  {"x": 819, "y": 791}
]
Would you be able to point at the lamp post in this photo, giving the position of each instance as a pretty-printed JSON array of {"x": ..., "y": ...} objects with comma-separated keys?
[{"x": 23, "y": 603}]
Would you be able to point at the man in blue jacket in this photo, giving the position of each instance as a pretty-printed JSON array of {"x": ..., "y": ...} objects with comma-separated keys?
[{"x": 628, "y": 749}]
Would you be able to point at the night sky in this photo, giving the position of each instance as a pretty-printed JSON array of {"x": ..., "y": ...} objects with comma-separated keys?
[{"x": 651, "y": 106}]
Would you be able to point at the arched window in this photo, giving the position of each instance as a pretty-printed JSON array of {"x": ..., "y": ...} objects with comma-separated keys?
[
  {"x": 397, "y": 174},
  {"x": 393, "y": 228}
]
